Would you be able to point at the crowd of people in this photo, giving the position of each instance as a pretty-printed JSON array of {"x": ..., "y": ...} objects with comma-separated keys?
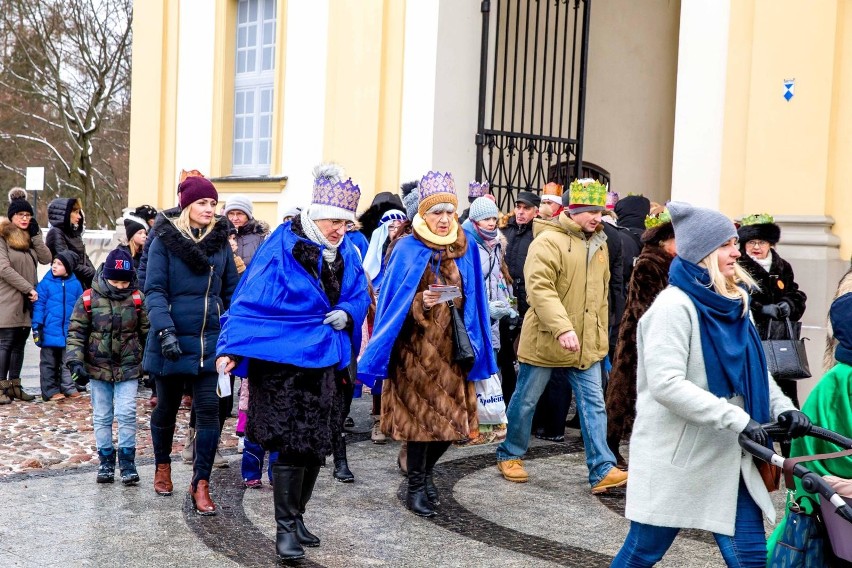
[{"x": 650, "y": 317}]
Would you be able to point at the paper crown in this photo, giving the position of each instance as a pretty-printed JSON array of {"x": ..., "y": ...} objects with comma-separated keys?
[
  {"x": 476, "y": 189},
  {"x": 611, "y": 199},
  {"x": 552, "y": 188},
  {"x": 657, "y": 219},
  {"x": 336, "y": 200},
  {"x": 587, "y": 192},
  {"x": 435, "y": 188},
  {"x": 757, "y": 219}
]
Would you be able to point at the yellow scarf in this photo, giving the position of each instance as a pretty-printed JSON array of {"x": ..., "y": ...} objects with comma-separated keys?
[{"x": 422, "y": 229}]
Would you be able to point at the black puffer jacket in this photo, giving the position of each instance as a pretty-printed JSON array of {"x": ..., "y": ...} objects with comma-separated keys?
[
  {"x": 188, "y": 288},
  {"x": 777, "y": 285},
  {"x": 518, "y": 239},
  {"x": 65, "y": 236}
]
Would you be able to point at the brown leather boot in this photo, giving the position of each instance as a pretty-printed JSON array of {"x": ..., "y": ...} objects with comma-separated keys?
[
  {"x": 16, "y": 391},
  {"x": 4, "y": 398},
  {"x": 204, "y": 505},
  {"x": 163, "y": 479}
]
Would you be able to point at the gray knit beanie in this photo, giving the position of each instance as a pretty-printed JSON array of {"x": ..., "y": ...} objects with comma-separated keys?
[
  {"x": 483, "y": 208},
  {"x": 411, "y": 201},
  {"x": 699, "y": 231},
  {"x": 239, "y": 203}
]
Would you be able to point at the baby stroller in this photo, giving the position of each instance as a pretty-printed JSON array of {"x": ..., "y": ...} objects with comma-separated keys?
[{"x": 832, "y": 520}]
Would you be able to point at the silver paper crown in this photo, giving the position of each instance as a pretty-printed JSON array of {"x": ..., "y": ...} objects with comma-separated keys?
[
  {"x": 343, "y": 194},
  {"x": 436, "y": 182},
  {"x": 476, "y": 189}
]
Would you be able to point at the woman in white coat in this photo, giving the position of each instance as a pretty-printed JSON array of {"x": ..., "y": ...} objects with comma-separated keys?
[{"x": 701, "y": 381}]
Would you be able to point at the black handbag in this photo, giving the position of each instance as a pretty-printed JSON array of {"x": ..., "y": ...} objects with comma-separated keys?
[
  {"x": 786, "y": 358},
  {"x": 462, "y": 348}
]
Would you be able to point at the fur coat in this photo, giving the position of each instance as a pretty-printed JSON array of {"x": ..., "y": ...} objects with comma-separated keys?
[
  {"x": 776, "y": 285},
  {"x": 650, "y": 276},
  {"x": 426, "y": 396}
]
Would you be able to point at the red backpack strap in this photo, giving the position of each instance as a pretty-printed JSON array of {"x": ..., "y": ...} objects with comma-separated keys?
[
  {"x": 87, "y": 300},
  {"x": 137, "y": 300}
]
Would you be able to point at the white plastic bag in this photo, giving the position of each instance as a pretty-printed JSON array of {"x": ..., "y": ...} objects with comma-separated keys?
[{"x": 491, "y": 408}]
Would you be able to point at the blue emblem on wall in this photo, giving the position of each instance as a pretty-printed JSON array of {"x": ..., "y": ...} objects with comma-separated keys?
[{"x": 789, "y": 89}]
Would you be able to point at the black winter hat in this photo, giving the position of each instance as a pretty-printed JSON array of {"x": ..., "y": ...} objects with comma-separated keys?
[
  {"x": 632, "y": 210},
  {"x": 69, "y": 260},
  {"x": 145, "y": 212},
  {"x": 132, "y": 227},
  {"x": 18, "y": 202},
  {"x": 119, "y": 266},
  {"x": 840, "y": 315},
  {"x": 769, "y": 232}
]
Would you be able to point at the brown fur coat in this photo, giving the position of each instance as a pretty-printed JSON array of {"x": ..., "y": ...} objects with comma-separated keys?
[
  {"x": 426, "y": 396},
  {"x": 650, "y": 276}
]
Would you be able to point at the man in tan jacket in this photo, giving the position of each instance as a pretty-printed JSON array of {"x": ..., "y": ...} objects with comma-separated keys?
[{"x": 567, "y": 277}]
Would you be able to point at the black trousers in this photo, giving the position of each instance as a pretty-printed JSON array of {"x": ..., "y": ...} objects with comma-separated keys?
[
  {"x": 552, "y": 408},
  {"x": 225, "y": 405},
  {"x": 55, "y": 378},
  {"x": 13, "y": 340}
]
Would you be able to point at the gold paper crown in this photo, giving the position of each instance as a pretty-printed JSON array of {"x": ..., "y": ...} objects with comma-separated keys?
[
  {"x": 587, "y": 191},
  {"x": 655, "y": 220}
]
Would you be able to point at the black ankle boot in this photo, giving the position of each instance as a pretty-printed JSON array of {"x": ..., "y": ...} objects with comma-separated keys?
[
  {"x": 106, "y": 471},
  {"x": 306, "y": 538},
  {"x": 341, "y": 465},
  {"x": 287, "y": 492},
  {"x": 127, "y": 466},
  {"x": 416, "y": 500}
]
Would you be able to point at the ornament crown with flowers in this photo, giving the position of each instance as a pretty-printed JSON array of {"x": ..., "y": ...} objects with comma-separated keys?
[
  {"x": 658, "y": 219},
  {"x": 476, "y": 189},
  {"x": 435, "y": 188},
  {"x": 757, "y": 219},
  {"x": 587, "y": 191},
  {"x": 342, "y": 195}
]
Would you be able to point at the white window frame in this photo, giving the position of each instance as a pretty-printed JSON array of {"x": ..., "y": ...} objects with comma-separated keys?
[{"x": 251, "y": 153}]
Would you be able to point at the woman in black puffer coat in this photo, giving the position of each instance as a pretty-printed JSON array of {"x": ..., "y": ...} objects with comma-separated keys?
[
  {"x": 65, "y": 215},
  {"x": 191, "y": 276}
]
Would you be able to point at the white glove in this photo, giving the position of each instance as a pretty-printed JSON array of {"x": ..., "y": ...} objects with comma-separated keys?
[
  {"x": 336, "y": 319},
  {"x": 498, "y": 309}
]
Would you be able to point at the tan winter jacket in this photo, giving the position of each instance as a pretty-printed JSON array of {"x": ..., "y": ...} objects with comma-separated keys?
[
  {"x": 567, "y": 281},
  {"x": 19, "y": 257}
]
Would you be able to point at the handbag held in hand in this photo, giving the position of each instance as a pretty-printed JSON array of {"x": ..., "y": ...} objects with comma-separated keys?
[{"x": 786, "y": 358}]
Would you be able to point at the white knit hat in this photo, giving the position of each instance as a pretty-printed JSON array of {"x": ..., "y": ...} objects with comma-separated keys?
[
  {"x": 483, "y": 208},
  {"x": 239, "y": 203}
]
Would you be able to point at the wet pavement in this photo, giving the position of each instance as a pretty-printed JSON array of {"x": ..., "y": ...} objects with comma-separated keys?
[{"x": 56, "y": 515}]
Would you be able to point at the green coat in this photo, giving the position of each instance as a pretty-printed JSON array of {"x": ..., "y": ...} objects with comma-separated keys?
[{"x": 110, "y": 339}]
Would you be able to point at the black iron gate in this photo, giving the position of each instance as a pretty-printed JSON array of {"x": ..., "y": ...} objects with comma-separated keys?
[{"x": 532, "y": 91}]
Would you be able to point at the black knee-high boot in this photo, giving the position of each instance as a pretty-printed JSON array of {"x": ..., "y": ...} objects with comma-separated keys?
[
  {"x": 434, "y": 451},
  {"x": 287, "y": 494},
  {"x": 417, "y": 501},
  {"x": 306, "y": 538},
  {"x": 341, "y": 464}
]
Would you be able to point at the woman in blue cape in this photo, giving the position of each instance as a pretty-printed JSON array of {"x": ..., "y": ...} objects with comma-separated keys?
[
  {"x": 293, "y": 326},
  {"x": 429, "y": 399}
]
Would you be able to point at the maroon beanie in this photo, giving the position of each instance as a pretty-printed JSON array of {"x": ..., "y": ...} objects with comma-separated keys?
[{"x": 194, "y": 188}]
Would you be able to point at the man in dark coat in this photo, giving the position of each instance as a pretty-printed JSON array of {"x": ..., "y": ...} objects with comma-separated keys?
[
  {"x": 631, "y": 212},
  {"x": 65, "y": 215}
]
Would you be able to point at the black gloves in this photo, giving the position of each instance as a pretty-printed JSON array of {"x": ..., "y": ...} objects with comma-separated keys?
[
  {"x": 755, "y": 432},
  {"x": 33, "y": 229},
  {"x": 777, "y": 311},
  {"x": 78, "y": 373},
  {"x": 169, "y": 344},
  {"x": 796, "y": 422}
]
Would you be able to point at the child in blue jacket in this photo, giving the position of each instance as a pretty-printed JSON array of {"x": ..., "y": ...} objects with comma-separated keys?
[{"x": 57, "y": 293}]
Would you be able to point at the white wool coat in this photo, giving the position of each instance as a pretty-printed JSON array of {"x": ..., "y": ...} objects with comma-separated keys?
[{"x": 685, "y": 462}]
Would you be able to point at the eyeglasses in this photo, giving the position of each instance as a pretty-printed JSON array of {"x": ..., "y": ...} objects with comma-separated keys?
[
  {"x": 757, "y": 244},
  {"x": 23, "y": 215}
]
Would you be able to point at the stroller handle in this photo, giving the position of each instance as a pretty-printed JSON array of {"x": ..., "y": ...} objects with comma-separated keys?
[{"x": 811, "y": 482}]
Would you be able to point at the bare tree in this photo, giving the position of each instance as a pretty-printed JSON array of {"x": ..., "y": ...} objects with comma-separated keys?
[{"x": 65, "y": 73}]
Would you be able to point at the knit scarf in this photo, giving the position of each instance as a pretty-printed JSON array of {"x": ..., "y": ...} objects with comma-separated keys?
[
  {"x": 329, "y": 251},
  {"x": 421, "y": 228},
  {"x": 484, "y": 236},
  {"x": 733, "y": 354}
]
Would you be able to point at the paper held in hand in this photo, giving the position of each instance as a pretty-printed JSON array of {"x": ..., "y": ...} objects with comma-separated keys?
[
  {"x": 223, "y": 387},
  {"x": 447, "y": 292}
]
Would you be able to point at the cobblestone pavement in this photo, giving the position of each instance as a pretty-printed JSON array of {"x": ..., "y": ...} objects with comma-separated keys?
[{"x": 56, "y": 515}]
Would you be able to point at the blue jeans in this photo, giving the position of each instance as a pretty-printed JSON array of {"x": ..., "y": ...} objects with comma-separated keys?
[
  {"x": 586, "y": 384},
  {"x": 116, "y": 400},
  {"x": 252, "y": 463},
  {"x": 646, "y": 544}
]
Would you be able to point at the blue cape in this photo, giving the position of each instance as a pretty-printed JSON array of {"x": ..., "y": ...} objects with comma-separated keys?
[
  {"x": 407, "y": 262},
  {"x": 277, "y": 309}
]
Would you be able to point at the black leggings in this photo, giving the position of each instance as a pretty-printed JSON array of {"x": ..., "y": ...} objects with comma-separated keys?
[
  {"x": 225, "y": 406},
  {"x": 13, "y": 340}
]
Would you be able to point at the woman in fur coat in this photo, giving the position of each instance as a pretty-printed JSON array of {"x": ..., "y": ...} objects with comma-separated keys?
[
  {"x": 21, "y": 250},
  {"x": 191, "y": 276},
  {"x": 650, "y": 276},
  {"x": 293, "y": 329},
  {"x": 428, "y": 398}
]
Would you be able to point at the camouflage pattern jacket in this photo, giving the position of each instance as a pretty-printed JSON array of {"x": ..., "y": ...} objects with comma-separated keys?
[{"x": 110, "y": 339}]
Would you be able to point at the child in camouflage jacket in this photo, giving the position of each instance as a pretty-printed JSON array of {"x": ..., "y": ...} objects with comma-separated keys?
[{"x": 105, "y": 344}]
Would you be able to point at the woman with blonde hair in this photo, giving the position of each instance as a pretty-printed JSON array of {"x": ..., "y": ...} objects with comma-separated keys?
[
  {"x": 701, "y": 381},
  {"x": 191, "y": 276}
]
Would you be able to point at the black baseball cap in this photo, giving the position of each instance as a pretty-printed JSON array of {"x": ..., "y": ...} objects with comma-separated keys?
[{"x": 529, "y": 198}]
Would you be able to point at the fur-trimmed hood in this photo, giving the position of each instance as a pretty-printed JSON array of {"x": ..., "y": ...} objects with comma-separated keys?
[
  {"x": 253, "y": 227},
  {"x": 194, "y": 254},
  {"x": 16, "y": 238}
]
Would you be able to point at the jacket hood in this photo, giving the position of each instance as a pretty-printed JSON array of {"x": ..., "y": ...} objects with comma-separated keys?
[
  {"x": 254, "y": 227},
  {"x": 16, "y": 238},
  {"x": 59, "y": 215},
  {"x": 632, "y": 211},
  {"x": 194, "y": 254},
  {"x": 562, "y": 224}
]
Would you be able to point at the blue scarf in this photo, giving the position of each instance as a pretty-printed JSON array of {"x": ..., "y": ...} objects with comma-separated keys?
[{"x": 733, "y": 354}]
